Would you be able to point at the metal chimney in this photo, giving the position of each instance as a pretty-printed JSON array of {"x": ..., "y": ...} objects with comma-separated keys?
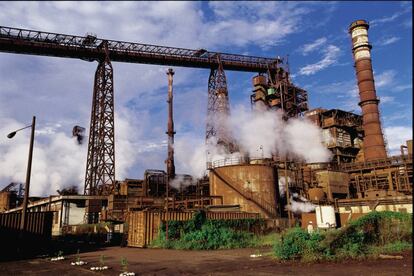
[
  {"x": 374, "y": 146},
  {"x": 170, "y": 132}
]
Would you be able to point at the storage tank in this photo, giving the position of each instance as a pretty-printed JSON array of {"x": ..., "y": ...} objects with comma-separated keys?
[
  {"x": 252, "y": 186},
  {"x": 325, "y": 217}
]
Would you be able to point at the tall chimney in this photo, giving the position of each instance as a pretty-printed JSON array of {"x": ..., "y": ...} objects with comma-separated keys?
[
  {"x": 374, "y": 146},
  {"x": 170, "y": 132}
]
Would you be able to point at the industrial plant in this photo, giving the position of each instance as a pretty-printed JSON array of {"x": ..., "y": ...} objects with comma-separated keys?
[{"x": 283, "y": 188}]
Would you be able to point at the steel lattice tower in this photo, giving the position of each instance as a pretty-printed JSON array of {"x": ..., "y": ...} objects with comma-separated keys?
[
  {"x": 100, "y": 164},
  {"x": 218, "y": 109}
]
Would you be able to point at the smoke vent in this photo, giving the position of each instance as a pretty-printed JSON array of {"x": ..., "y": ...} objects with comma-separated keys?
[{"x": 374, "y": 146}]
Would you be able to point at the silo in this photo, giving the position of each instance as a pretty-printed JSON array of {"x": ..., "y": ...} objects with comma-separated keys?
[{"x": 252, "y": 186}]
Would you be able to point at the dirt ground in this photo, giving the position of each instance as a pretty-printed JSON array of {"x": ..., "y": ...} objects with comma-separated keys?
[{"x": 219, "y": 262}]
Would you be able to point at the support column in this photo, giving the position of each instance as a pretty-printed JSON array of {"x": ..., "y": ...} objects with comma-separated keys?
[
  {"x": 100, "y": 164},
  {"x": 218, "y": 111}
]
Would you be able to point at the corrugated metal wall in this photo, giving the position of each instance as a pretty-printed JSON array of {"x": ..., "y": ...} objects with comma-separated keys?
[
  {"x": 37, "y": 222},
  {"x": 144, "y": 225}
]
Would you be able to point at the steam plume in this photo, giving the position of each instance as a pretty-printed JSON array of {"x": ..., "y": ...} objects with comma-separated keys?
[{"x": 260, "y": 133}]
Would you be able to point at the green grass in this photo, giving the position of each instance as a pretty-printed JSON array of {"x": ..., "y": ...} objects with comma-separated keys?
[
  {"x": 266, "y": 240},
  {"x": 370, "y": 235},
  {"x": 391, "y": 248}
]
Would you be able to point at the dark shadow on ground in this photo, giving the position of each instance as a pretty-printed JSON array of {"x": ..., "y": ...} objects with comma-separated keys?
[{"x": 18, "y": 245}]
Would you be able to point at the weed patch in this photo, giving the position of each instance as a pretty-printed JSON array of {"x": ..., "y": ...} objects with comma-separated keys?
[
  {"x": 200, "y": 233},
  {"x": 372, "y": 234}
]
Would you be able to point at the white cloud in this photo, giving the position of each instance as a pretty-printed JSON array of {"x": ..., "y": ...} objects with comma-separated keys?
[
  {"x": 387, "y": 19},
  {"x": 313, "y": 46},
  {"x": 408, "y": 23},
  {"x": 244, "y": 22},
  {"x": 330, "y": 56},
  {"x": 397, "y": 136},
  {"x": 385, "y": 79},
  {"x": 386, "y": 99},
  {"x": 404, "y": 114},
  {"x": 403, "y": 87},
  {"x": 388, "y": 40},
  {"x": 346, "y": 93}
]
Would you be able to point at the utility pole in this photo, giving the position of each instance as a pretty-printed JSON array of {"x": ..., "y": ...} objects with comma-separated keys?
[{"x": 28, "y": 173}]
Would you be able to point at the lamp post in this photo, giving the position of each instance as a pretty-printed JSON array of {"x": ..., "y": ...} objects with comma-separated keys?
[{"x": 29, "y": 169}]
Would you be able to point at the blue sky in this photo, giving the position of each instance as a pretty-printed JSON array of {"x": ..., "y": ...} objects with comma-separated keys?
[{"x": 59, "y": 91}]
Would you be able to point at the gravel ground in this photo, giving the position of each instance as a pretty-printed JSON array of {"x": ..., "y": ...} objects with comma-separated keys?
[{"x": 217, "y": 262}]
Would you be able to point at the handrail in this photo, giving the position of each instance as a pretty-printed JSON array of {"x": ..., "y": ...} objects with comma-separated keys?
[
  {"x": 229, "y": 161},
  {"x": 398, "y": 160}
]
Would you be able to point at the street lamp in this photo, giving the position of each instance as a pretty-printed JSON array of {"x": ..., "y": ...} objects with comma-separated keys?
[{"x": 29, "y": 169}]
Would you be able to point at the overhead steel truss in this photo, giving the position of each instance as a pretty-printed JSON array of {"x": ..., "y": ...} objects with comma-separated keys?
[{"x": 33, "y": 42}]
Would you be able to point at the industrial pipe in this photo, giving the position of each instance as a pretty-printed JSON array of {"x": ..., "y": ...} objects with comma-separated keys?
[
  {"x": 374, "y": 146},
  {"x": 170, "y": 132}
]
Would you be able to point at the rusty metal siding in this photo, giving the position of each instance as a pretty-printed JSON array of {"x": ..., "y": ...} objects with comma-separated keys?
[
  {"x": 255, "y": 185},
  {"x": 37, "y": 222},
  {"x": 232, "y": 215},
  {"x": 144, "y": 226}
]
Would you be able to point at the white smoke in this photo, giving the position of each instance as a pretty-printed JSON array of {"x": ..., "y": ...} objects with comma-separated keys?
[
  {"x": 260, "y": 133},
  {"x": 265, "y": 130},
  {"x": 58, "y": 160},
  {"x": 56, "y": 164},
  {"x": 180, "y": 181},
  {"x": 305, "y": 141},
  {"x": 282, "y": 185},
  {"x": 192, "y": 153},
  {"x": 299, "y": 204}
]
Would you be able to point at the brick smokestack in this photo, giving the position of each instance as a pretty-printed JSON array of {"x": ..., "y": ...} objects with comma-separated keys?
[
  {"x": 374, "y": 146},
  {"x": 170, "y": 132}
]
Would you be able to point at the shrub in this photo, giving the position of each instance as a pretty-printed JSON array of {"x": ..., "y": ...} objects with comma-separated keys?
[
  {"x": 200, "y": 233},
  {"x": 375, "y": 232},
  {"x": 373, "y": 229},
  {"x": 296, "y": 243}
]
